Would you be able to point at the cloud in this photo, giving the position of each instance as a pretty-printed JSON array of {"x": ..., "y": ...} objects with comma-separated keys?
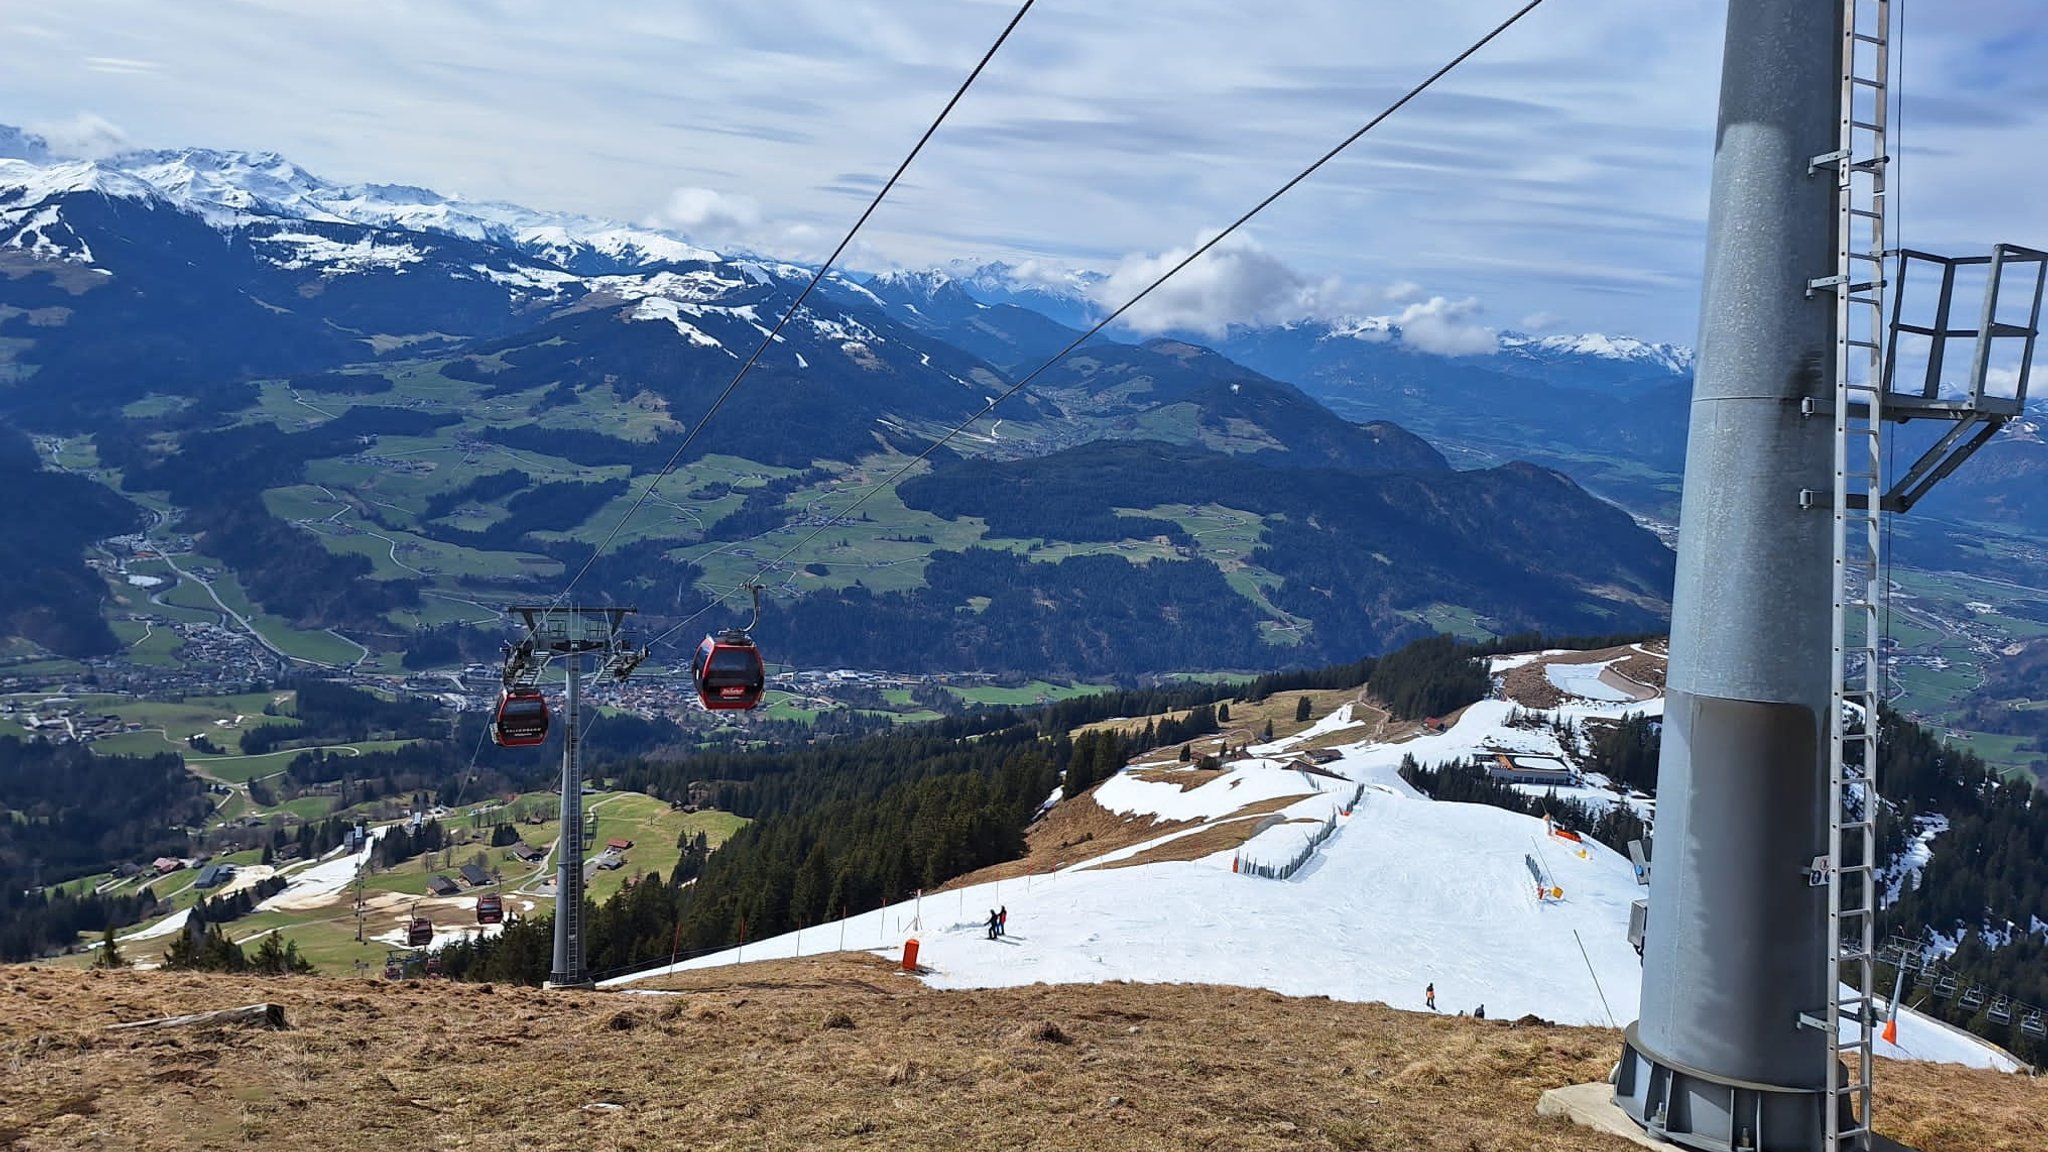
[
  {"x": 1234, "y": 283},
  {"x": 1564, "y": 169},
  {"x": 85, "y": 136},
  {"x": 121, "y": 65},
  {"x": 1446, "y": 327},
  {"x": 708, "y": 216},
  {"x": 1239, "y": 283}
]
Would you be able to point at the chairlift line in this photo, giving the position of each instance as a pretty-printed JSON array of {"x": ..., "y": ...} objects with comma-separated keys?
[
  {"x": 775, "y": 333},
  {"x": 1126, "y": 306}
]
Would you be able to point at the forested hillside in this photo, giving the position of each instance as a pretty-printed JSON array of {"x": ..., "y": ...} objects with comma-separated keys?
[
  {"x": 47, "y": 519},
  {"x": 66, "y": 813},
  {"x": 840, "y": 828}
]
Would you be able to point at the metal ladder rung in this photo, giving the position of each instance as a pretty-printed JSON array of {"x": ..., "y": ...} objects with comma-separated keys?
[{"x": 1860, "y": 281}]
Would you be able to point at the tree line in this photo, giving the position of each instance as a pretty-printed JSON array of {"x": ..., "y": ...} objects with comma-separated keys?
[
  {"x": 67, "y": 813},
  {"x": 1611, "y": 824}
]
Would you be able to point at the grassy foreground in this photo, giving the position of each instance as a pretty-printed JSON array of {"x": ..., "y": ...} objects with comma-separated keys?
[{"x": 830, "y": 1052}]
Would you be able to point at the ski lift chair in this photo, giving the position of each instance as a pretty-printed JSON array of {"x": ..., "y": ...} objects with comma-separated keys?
[
  {"x": 1924, "y": 978},
  {"x": 1945, "y": 987},
  {"x": 2001, "y": 1011},
  {"x": 2031, "y": 1026},
  {"x": 1974, "y": 998}
]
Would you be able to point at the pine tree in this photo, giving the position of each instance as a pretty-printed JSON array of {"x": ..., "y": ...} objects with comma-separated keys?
[
  {"x": 110, "y": 951},
  {"x": 1301, "y": 709}
]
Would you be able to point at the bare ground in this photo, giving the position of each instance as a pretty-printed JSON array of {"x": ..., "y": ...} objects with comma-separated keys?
[
  {"x": 1530, "y": 687},
  {"x": 829, "y": 1052},
  {"x": 1075, "y": 830}
]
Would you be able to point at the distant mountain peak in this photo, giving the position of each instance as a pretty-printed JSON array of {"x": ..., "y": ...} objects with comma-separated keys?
[
  {"x": 230, "y": 189},
  {"x": 1375, "y": 329},
  {"x": 1672, "y": 358}
]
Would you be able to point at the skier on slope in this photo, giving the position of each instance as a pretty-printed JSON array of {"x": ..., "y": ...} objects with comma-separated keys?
[
  {"x": 1003, "y": 920},
  {"x": 995, "y": 924},
  {"x": 1429, "y": 996}
]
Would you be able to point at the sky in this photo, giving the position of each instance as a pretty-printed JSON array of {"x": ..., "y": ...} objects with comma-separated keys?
[{"x": 1556, "y": 183}]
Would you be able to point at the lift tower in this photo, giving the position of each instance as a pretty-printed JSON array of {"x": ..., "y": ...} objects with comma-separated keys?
[
  {"x": 572, "y": 633},
  {"x": 1755, "y": 1027}
]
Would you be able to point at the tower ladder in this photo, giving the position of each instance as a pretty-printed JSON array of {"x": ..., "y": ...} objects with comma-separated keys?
[{"x": 1860, "y": 164}]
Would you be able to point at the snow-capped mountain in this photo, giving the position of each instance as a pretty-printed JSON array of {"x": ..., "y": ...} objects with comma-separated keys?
[
  {"x": 232, "y": 190},
  {"x": 1066, "y": 296},
  {"x": 1670, "y": 359}
]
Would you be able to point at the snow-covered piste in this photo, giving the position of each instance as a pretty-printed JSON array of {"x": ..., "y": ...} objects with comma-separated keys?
[
  {"x": 1406, "y": 893},
  {"x": 321, "y": 883}
]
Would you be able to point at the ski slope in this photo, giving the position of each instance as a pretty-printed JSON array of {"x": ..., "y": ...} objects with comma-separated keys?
[{"x": 1407, "y": 893}]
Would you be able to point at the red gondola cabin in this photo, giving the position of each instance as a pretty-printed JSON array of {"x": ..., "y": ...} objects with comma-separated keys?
[
  {"x": 420, "y": 932},
  {"x": 522, "y": 720},
  {"x": 729, "y": 673},
  {"x": 490, "y": 910}
]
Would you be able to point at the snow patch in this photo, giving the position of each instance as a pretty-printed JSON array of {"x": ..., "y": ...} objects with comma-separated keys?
[
  {"x": 1583, "y": 681},
  {"x": 659, "y": 308},
  {"x": 338, "y": 257}
]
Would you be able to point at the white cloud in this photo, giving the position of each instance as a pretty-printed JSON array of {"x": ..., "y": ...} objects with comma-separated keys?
[
  {"x": 1446, "y": 327},
  {"x": 1563, "y": 169},
  {"x": 1234, "y": 283},
  {"x": 1239, "y": 283},
  {"x": 85, "y": 136},
  {"x": 708, "y": 216},
  {"x": 121, "y": 65}
]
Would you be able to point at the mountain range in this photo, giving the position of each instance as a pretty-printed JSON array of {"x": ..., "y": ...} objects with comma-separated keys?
[{"x": 1298, "y": 486}]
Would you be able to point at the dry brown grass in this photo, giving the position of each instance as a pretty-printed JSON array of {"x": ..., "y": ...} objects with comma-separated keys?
[
  {"x": 1226, "y": 833},
  {"x": 830, "y": 1052},
  {"x": 1248, "y": 720},
  {"x": 1075, "y": 830},
  {"x": 1531, "y": 688},
  {"x": 1188, "y": 778}
]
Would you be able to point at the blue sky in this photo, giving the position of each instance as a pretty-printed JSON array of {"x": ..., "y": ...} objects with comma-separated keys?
[{"x": 1557, "y": 183}]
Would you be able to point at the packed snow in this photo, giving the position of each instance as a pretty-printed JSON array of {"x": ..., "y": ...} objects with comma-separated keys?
[
  {"x": 175, "y": 922},
  {"x": 1406, "y": 892},
  {"x": 1246, "y": 782},
  {"x": 320, "y": 883},
  {"x": 1583, "y": 681}
]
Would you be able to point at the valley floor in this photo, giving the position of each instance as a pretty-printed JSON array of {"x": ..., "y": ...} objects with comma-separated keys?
[{"x": 830, "y": 1052}]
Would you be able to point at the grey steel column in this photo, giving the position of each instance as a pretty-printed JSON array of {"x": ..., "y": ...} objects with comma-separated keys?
[
  {"x": 568, "y": 971},
  {"x": 1736, "y": 939}
]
